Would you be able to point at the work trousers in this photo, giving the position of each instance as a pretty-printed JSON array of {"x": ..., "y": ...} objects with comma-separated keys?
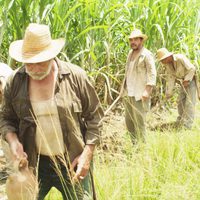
[
  {"x": 186, "y": 105},
  {"x": 135, "y": 117},
  {"x": 58, "y": 176}
]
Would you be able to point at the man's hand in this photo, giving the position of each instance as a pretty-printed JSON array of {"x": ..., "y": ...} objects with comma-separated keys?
[
  {"x": 145, "y": 95},
  {"x": 16, "y": 147},
  {"x": 17, "y": 150},
  {"x": 83, "y": 163},
  {"x": 147, "y": 92},
  {"x": 185, "y": 83}
]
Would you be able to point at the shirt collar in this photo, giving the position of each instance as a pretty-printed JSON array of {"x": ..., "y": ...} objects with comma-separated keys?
[
  {"x": 62, "y": 69},
  {"x": 174, "y": 57}
]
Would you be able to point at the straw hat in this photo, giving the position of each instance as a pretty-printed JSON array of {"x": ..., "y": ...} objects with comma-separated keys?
[
  {"x": 37, "y": 45},
  {"x": 137, "y": 33},
  {"x": 163, "y": 53}
]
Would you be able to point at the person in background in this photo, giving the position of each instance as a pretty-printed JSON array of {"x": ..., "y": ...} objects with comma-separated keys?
[
  {"x": 140, "y": 78},
  {"x": 178, "y": 68},
  {"x": 50, "y": 115},
  {"x": 5, "y": 71}
]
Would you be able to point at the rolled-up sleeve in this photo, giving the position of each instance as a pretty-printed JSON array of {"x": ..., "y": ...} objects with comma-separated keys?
[
  {"x": 8, "y": 117},
  {"x": 189, "y": 67},
  {"x": 91, "y": 112},
  {"x": 151, "y": 70}
]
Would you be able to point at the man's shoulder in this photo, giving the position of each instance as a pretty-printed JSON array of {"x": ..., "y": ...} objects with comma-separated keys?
[
  {"x": 146, "y": 52},
  {"x": 73, "y": 69},
  {"x": 179, "y": 56}
]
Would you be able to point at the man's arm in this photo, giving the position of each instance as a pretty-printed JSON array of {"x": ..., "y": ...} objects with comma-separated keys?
[
  {"x": 9, "y": 123},
  {"x": 92, "y": 113},
  {"x": 15, "y": 146},
  {"x": 83, "y": 162},
  {"x": 190, "y": 68},
  {"x": 151, "y": 76}
]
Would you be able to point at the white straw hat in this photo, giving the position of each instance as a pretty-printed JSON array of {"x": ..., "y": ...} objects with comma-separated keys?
[
  {"x": 37, "y": 45},
  {"x": 163, "y": 53},
  {"x": 137, "y": 33}
]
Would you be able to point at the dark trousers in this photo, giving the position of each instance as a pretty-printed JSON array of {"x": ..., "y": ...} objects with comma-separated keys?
[{"x": 56, "y": 175}]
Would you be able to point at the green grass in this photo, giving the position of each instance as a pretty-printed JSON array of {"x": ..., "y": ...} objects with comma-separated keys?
[
  {"x": 166, "y": 167},
  {"x": 96, "y": 31}
]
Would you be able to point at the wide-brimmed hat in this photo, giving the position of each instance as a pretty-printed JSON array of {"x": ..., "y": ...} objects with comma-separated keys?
[
  {"x": 163, "y": 53},
  {"x": 37, "y": 45},
  {"x": 137, "y": 34}
]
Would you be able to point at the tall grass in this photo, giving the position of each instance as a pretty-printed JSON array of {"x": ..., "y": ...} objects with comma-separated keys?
[
  {"x": 96, "y": 31},
  {"x": 166, "y": 167}
]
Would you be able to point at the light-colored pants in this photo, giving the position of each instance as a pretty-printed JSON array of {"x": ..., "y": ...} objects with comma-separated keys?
[
  {"x": 186, "y": 105},
  {"x": 135, "y": 117}
]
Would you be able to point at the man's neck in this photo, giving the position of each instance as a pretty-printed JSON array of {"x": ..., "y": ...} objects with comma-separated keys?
[{"x": 136, "y": 51}]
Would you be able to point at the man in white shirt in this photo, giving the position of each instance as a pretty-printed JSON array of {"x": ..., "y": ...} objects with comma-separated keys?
[{"x": 140, "y": 77}]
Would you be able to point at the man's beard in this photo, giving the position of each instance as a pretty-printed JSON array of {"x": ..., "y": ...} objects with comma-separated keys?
[
  {"x": 40, "y": 75},
  {"x": 134, "y": 47}
]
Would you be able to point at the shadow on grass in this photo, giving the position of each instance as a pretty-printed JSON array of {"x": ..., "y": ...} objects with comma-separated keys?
[{"x": 175, "y": 126}]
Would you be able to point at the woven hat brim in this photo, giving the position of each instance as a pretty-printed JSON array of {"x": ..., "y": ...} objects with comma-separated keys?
[
  {"x": 165, "y": 56},
  {"x": 138, "y": 36},
  {"x": 15, "y": 51}
]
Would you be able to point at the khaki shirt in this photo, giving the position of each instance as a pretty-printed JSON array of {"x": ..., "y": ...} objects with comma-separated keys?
[
  {"x": 182, "y": 69},
  {"x": 140, "y": 72},
  {"x": 76, "y": 100}
]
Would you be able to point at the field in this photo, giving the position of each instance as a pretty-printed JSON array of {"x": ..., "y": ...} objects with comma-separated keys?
[{"x": 167, "y": 166}]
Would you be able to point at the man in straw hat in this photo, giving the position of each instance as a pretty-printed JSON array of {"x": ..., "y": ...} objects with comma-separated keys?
[
  {"x": 140, "y": 77},
  {"x": 46, "y": 105},
  {"x": 179, "y": 69}
]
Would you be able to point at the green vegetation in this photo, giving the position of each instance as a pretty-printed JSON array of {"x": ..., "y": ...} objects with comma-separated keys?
[
  {"x": 96, "y": 31},
  {"x": 167, "y": 167}
]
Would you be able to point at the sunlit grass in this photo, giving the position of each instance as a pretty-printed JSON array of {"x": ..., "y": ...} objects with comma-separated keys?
[{"x": 166, "y": 167}]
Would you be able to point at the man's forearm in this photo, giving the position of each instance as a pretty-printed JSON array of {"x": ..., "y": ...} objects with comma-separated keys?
[
  {"x": 11, "y": 137},
  {"x": 89, "y": 150}
]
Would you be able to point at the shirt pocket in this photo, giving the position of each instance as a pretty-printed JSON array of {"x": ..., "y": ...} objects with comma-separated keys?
[
  {"x": 76, "y": 106},
  {"x": 141, "y": 65}
]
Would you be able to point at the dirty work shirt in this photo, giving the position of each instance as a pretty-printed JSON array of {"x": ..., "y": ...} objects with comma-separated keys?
[
  {"x": 76, "y": 99},
  {"x": 182, "y": 69},
  {"x": 139, "y": 73},
  {"x": 49, "y": 138}
]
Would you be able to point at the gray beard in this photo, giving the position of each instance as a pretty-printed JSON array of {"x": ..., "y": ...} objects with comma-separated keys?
[{"x": 40, "y": 76}]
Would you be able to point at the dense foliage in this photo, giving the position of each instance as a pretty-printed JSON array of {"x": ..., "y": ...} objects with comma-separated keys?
[{"x": 96, "y": 31}]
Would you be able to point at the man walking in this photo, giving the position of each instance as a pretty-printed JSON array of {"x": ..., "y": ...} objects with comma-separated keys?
[
  {"x": 179, "y": 69},
  {"x": 140, "y": 77}
]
